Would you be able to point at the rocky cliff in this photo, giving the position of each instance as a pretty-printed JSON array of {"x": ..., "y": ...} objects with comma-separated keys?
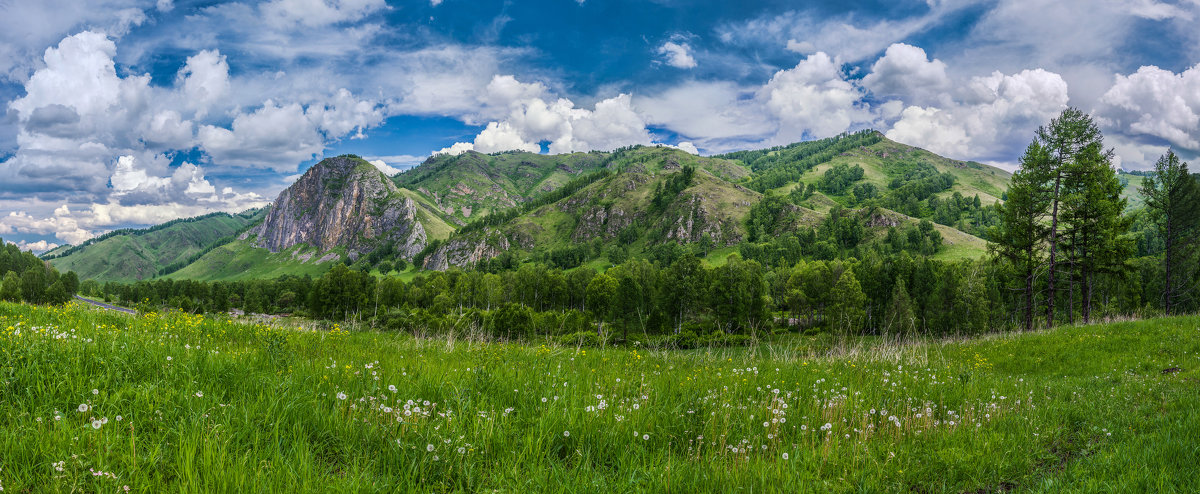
[{"x": 342, "y": 202}]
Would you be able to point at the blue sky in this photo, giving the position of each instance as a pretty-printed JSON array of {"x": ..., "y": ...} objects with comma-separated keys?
[{"x": 126, "y": 113}]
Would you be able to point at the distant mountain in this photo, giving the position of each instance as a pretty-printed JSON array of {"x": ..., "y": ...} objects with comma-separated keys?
[
  {"x": 596, "y": 208},
  {"x": 642, "y": 197},
  {"x": 131, "y": 255}
]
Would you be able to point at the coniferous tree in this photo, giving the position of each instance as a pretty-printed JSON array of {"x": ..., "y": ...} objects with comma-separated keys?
[
  {"x": 1173, "y": 203},
  {"x": 1017, "y": 241},
  {"x": 1093, "y": 217},
  {"x": 1065, "y": 140},
  {"x": 900, "y": 318}
]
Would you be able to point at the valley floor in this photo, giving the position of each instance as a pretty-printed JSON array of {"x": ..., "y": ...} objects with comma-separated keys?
[{"x": 98, "y": 401}]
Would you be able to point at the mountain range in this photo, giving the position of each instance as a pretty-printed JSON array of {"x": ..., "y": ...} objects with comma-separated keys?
[{"x": 592, "y": 208}]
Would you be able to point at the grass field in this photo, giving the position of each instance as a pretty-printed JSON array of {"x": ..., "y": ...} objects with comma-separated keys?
[{"x": 97, "y": 402}]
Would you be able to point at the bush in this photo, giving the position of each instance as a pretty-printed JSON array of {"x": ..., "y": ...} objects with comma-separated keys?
[{"x": 582, "y": 338}]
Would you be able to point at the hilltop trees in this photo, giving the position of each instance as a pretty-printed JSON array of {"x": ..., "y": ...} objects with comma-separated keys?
[{"x": 1173, "y": 203}]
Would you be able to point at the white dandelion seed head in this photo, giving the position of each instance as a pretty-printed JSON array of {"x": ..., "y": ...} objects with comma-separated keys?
[{"x": 83, "y": 407}]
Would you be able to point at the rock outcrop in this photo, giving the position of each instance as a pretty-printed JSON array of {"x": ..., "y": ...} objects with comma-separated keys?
[{"x": 342, "y": 202}]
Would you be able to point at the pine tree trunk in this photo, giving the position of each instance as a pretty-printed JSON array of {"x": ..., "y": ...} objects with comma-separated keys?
[
  {"x": 1053, "y": 252},
  {"x": 1168, "y": 289}
]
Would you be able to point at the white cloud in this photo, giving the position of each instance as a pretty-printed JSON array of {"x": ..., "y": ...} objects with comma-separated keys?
[
  {"x": 27, "y": 28},
  {"x": 316, "y": 13},
  {"x": 531, "y": 120},
  {"x": 64, "y": 227},
  {"x": 384, "y": 167},
  {"x": 716, "y": 114},
  {"x": 992, "y": 118},
  {"x": 35, "y": 247},
  {"x": 456, "y": 149},
  {"x": 435, "y": 3},
  {"x": 814, "y": 98},
  {"x": 205, "y": 80},
  {"x": 906, "y": 72},
  {"x": 165, "y": 5},
  {"x": 678, "y": 55},
  {"x": 274, "y": 136},
  {"x": 1157, "y": 104}
]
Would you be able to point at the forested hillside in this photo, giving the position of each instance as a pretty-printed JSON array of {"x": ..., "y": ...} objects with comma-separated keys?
[{"x": 130, "y": 255}]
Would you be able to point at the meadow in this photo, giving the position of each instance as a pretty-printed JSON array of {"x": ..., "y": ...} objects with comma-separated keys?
[{"x": 94, "y": 401}]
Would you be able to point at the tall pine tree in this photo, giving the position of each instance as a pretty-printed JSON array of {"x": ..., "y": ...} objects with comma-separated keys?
[
  {"x": 1173, "y": 203},
  {"x": 1018, "y": 240}
]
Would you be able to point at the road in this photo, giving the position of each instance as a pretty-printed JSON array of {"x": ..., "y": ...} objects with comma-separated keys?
[{"x": 106, "y": 306}]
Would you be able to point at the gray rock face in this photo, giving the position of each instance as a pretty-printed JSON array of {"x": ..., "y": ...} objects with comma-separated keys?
[
  {"x": 342, "y": 202},
  {"x": 462, "y": 252}
]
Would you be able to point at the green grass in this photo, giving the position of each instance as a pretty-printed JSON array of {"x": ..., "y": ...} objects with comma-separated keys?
[
  {"x": 239, "y": 260},
  {"x": 208, "y": 405}
]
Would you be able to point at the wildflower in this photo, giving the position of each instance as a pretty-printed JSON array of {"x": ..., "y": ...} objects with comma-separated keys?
[
  {"x": 96, "y": 424},
  {"x": 83, "y": 407},
  {"x": 645, "y": 437},
  {"x": 392, "y": 388},
  {"x": 429, "y": 448},
  {"x": 785, "y": 456},
  {"x": 566, "y": 433},
  {"x": 199, "y": 394},
  {"x": 95, "y": 391},
  {"x": 119, "y": 418},
  {"x": 341, "y": 395},
  {"x": 168, "y": 358}
]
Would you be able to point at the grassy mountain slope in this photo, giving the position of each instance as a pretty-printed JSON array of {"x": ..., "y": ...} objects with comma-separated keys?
[
  {"x": 140, "y": 254},
  {"x": 472, "y": 184},
  {"x": 622, "y": 209},
  {"x": 241, "y": 260},
  {"x": 881, "y": 163}
]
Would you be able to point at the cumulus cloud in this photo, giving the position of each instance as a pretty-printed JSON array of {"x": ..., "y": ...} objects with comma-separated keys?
[
  {"x": 276, "y": 136},
  {"x": 63, "y": 226},
  {"x": 531, "y": 120},
  {"x": 814, "y": 98},
  {"x": 384, "y": 167},
  {"x": 906, "y": 72},
  {"x": 1153, "y": 103},
  {"x": 991, "y": 119},
  {"x": 678, "y": 55},
  {"x": 37, "y": 247},
  {"x": 204, "y": 80}
]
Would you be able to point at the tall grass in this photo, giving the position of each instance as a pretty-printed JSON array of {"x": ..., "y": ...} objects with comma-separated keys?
[{"x": 96, "y": 402}]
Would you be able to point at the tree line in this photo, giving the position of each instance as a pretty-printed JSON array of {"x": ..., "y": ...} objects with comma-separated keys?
[
  {"x": 1064, "y": 230},
  {"x": 26, "y": 278}
]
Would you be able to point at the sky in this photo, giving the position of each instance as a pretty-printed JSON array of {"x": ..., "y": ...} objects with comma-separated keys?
[{"x": 127, "y": 113}]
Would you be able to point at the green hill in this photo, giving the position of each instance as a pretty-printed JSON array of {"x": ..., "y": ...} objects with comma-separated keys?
[
  {"x": 130, "y": 255},
  {"x": 241, "y": 260},
  {"x": 641, "y": 201}
]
